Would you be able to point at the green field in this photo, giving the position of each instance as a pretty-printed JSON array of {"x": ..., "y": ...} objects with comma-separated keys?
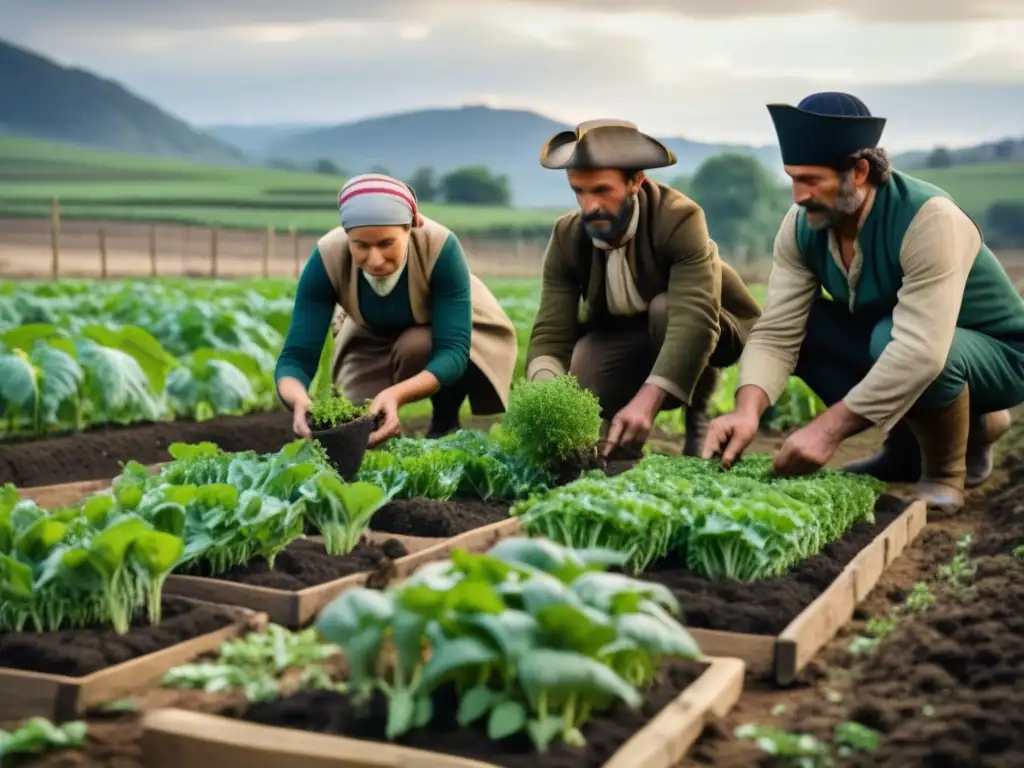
[{"x": 103, "y": 185}]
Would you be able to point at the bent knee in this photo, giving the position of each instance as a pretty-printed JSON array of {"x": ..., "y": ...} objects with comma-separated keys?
[{"x": 412, "y": 348}]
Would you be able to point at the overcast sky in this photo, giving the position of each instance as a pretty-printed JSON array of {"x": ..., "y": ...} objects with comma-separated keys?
[{"x": 703, "y": 69}]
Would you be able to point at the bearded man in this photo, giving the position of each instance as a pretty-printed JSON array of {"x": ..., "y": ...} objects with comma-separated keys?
[
  {"x": 921, "y": 332},
  {"x": 635, "y": 300}
]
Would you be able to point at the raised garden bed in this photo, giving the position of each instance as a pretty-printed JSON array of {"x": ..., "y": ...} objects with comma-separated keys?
[
  {"x": 294, "y": 592},
  {"x": 60, "y": 674},
  {"x": 99, "y": 452},
  {"x": 778, "y": 625},
  {"x": 316, "y": 729}
]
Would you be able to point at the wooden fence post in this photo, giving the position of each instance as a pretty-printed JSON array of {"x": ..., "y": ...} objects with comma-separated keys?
[
  {"x": 268, "y": 249},
  {"x": 152, "y": 250},
  {"x": 103, "y": 252},
  {"x": 55, "y": 237},
  {"x": 295, "y": 249},
  {"x": 213, "y": 253}
]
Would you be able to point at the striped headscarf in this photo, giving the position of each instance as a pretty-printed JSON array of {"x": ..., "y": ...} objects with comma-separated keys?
[{"x": 375, "y": 200}]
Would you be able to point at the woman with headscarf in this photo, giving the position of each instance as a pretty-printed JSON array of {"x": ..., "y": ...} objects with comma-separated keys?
[{"x": 414, "y": 322}]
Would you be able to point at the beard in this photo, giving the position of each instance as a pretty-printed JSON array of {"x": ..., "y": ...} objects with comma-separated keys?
[
  {"x": 848, "y": 200},
  {"x": 616, "y": 223}
]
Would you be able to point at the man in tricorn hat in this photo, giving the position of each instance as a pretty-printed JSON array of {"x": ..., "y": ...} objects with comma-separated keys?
[
  {"x": 921, "y": 333},
  {"x": 661, "y": 312}
]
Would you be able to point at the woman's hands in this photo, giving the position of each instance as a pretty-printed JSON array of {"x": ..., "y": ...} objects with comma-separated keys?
[{"x": 385, "y": 407}]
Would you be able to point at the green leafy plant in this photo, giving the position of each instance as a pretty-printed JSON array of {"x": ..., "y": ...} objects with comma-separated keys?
[
  {"x": 37, "y": 736},
  {"x": 743, "y": 524},
  {"x": 534, "y": 637},
  {"x": 553, "y": 421},
  {"x": 334, "y": 411},
  {"x": 257, "y": 662}
]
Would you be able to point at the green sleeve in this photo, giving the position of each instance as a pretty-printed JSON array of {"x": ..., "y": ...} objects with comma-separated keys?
[
  {"x": 315, "y": 301},
  {"x": 452, "y": 310}
]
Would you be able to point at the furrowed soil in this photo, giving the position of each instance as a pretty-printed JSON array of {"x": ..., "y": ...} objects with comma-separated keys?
[
  {"x": 305, "y": 563},
  {"x": 332, "y": 713},
  {"x": 100, "y": 452},
  {"x": 437, "y": 519},
  {"x": 79, "y": 652}
]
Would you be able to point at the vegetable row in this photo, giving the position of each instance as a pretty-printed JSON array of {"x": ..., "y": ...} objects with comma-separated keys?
[
  {"x": 742, "y": 524},
  {"x": 105, "y": 559}
]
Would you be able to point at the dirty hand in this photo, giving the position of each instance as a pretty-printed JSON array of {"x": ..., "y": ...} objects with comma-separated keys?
[
  {"x": 805, "y": 451},
  {"x": 299, "y": 411},
  {"x": 631, "y": 425},
  {"x": 385, "y": 407},
  {"x": 729, "y": 436}
]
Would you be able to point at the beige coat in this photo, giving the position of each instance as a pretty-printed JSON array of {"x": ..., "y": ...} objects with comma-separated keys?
[{"x": 493, "y": 347}]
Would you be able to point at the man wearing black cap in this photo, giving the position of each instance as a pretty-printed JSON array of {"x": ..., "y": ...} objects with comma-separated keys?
[
  {"x": 661, "y": 312},
  {"x": 921, "y": 331}
]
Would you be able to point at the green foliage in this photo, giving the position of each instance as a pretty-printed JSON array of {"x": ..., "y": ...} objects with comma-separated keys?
[
  {"x": 475, "y": 185},
  {"x": 535, "y": 638},
  {"x": 256, "y": 664},
  {"x": 744, "y": 524},
  {"x": 553, "y": 420},
  {"x": 37, "y": 736},
  {"x": 467, "y": 463},
  {"x": 333, "y": 411}
]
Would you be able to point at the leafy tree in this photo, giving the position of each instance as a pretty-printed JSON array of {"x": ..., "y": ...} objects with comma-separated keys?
[
  {"x": 424, "y": 182},
  {"x": 326, "y": 167},
  {"x": 940, "y": 157},
  {"x": 476, "y": 185},
  {"x": 740, "y": 201}
]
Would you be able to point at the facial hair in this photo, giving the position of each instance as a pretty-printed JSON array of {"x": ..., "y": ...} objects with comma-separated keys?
[
  {"x": 848, "y": 200},
  {"x": 618, "y": 223}
]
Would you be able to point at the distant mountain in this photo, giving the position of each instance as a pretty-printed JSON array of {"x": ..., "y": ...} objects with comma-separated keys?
[
  {"x": 256, "y": 140},
  {"x": 44, "y": 100},
  {"x": 506, "y": 140},
  {"x": 1010, "y": 150}
]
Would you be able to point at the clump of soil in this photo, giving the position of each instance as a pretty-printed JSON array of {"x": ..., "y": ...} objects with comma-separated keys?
[
  {"x": 100, "y": 452},
  {"x": 438, "y": 519},
  {"x": 332, "y": 713},
  {"x": 305, "y": 563},
  {"x": 767, "y": 607},
  {"x": 79, "y": 652}
]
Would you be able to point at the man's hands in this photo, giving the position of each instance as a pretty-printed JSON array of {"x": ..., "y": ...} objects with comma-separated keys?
[
  {"x": 729, "y": 436},
  {"x": 633, "y": 424},
  {"x": 386, "y": 405},
  {"x": 732, "y": 433},
  {"x": 813, "y": 446}
]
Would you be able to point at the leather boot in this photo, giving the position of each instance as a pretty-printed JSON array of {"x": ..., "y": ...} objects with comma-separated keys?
[
  {"x": 897, "y": 461},
  {"x": 942, "y": 438},
  {"x": 444, "y": 417},
  {"x": 696, "y": 419},
  {"x": 986, "y": 429}
]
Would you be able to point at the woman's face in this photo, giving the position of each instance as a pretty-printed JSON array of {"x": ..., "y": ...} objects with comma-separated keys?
[{"x": 378, "y": 251}]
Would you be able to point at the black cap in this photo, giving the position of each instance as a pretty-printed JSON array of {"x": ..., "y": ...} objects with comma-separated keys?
[{"x": 825, "y": 128}]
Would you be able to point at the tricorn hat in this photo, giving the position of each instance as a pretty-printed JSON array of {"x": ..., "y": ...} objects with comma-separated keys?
[
  {"x": 605, "y": 144},
  {"x": 824, "y": 128}
]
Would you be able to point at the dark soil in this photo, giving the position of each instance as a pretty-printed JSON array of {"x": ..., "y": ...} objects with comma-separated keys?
[
  {"x": 767, "y": 607},
  {"x": 305, "y": 563},
  {"x": 438, "y": 519},
  {"x": 100, "y": 452},
  {"x": 79, "y": 652},
  {"x": 331, "y": 713},
  {"x": 947, "y": 689}
]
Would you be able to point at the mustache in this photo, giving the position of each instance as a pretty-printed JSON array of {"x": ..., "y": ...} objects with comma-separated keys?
[
  {"x": 815, "y": 208},
  {"x": 589, "y": 218}
]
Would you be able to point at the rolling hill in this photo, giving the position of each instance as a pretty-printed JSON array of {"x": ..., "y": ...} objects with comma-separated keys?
[
  {"x": 506, "y": 140},
  {"x": 44, "y": 100}
]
